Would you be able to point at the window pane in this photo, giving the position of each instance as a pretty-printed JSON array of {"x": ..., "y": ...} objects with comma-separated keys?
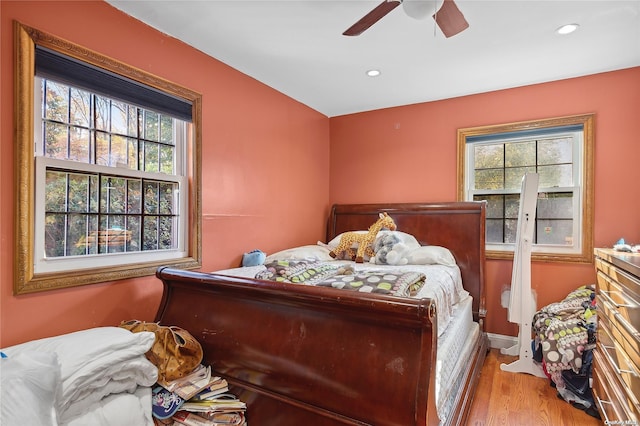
[
  {"x": 166, "y": 198},
  {"x": 150, "y": 233},
  {"x": 134, "y": 196},
  {"x": 55, "y": 192},
  {"x": 151, "y": 122},
  {"x": 495, "y": 205},
  {"x": 78, "y": 193},
  {"x": 79, "y": 144},
  {"x": 151, "y": 197},
  {"x": 113, "y": 195},
  {"x": 119, "y": 147},
  {"x": 151, "y": 157},
  {"x": 77, "y": 226},
  {"x": 495, "y": 230},
  {"x": 165, "y": 233},
  {"x": 132, "y": 154},
  {"x": 555, "y": 206},
  {"x": 557, "y": 232},
  {"x": 511, "y": 206},
  {"x": 489, "y": 179},
  {"x": 80, "y": 108},
  {"x": 488, "y": 156},
  {"x": 56, "y": 137},
  {"x": 133, "y": 226},
  {"x": 119, "y": 118},
  {"x": 166, "y": 129},
  {"x": 102, "y": 117},
  {"x": 555, "y": 151},
  {"x": 133, "y": 124},
  {"x": 93, "y": 193},
  {"x": 166, "y": 159},
  {"x": 556, "y": 175},
  {"x": 54, "y": 233},
  {"x": 102, "y": 148},
  {"x": 56, "y": 105},
  {"x": 520, "y": 154}
]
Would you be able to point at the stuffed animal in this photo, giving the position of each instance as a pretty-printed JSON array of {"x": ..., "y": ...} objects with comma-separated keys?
[
  {"x": 390, "y": 250},
  {"x": 363, "y": 241}
]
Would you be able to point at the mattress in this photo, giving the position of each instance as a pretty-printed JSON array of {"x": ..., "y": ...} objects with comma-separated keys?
[{"x": 455, "y": 346}]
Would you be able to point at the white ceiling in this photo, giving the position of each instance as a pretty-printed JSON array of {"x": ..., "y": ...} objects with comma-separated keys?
[{"x": 297, "y": 47}]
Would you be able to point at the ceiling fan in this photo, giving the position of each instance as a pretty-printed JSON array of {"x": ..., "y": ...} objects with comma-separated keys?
[{"x": 448, "y": 18}]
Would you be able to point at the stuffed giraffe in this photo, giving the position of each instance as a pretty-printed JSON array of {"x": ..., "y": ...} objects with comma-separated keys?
[{"x": 364, "y": 241}]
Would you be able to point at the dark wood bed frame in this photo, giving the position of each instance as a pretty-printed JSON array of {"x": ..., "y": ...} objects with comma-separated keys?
[{"x": 302, "y": 355}]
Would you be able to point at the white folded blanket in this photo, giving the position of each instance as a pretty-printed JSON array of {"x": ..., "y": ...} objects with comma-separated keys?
[{"x": 95, "y": 363}]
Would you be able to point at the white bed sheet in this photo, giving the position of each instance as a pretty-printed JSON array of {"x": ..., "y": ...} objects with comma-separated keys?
[{"x": 443, "y": 284}]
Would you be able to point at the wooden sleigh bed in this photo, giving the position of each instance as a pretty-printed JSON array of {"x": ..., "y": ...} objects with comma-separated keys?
[{"x": 309, "y": 355}]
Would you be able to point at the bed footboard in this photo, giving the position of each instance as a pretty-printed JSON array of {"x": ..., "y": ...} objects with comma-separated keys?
[{"x": 300, "y": 354}]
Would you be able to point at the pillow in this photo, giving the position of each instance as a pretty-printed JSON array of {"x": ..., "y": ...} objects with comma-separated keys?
[
  {"x": 309, "y": 252},
  {"x": 403, "y": 236},
  {"x": 29, "y": 388},
  {"x": 431, "y": 255}
]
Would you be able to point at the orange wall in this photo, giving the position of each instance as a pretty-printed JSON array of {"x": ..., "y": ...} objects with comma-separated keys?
[
  {"x": 408, "y": 154},
  {"x": 254, "y": 140}
]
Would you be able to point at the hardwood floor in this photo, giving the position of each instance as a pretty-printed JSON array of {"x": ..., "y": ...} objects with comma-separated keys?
[{"x": 516, "y": 399}]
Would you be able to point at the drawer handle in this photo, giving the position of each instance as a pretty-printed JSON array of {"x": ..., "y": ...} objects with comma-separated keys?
[
  {"x": 629, "y": 328},
  {"x": 615, "y": 365},
  {"x": 604, "y": 413},
  {"x": 605, "y": 293}
]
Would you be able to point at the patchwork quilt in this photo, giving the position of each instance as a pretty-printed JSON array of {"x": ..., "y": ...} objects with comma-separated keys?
[{"x": 326, "y": 274}]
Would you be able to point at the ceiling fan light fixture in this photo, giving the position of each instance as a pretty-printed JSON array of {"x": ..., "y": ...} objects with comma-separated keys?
[
  {"x": 373, "y": 72},
  {"x": 418, "y": 9},
  {"x": 567, "y": 29}
]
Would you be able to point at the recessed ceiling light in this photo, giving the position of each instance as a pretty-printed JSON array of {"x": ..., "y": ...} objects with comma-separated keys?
[
  {"x": 373, "y": 73},
  {"x": 567, "y": 29}
]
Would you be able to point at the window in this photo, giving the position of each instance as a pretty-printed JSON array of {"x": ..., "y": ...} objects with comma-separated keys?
[
  {"x": 491, "y": 163},
  {"x": 108, "y": 168}
]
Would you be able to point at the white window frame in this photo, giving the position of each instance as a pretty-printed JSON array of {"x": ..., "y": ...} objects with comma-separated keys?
[
  {"x": 44, "y": 264},
  {"x": 581, "y": 248}
]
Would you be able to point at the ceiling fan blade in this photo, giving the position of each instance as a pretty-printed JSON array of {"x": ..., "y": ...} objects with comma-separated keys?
[
  {"x": 372, "y": 17},
  {"x": 450, "y": 20}
]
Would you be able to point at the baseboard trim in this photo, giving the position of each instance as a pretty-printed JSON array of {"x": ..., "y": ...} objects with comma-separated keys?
[{"x": 500, "y": 341}]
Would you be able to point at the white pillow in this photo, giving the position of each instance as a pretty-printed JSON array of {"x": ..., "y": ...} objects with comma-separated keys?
[
  {"x": 29, "y": 389},
  {"x": 431, "y": 255},
  {"x": 309, "y": 252},
  {"x": 404, "y": 238}
]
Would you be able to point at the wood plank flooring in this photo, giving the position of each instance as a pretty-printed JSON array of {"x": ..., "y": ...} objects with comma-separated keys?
[{"x": 516, "y": 399}]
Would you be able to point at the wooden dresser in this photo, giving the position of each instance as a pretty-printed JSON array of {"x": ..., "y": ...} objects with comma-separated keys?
[{"x": 616, "y": 360}]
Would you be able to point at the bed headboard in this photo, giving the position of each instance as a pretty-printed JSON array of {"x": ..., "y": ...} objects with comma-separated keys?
[{"x": 459, "y": 226}]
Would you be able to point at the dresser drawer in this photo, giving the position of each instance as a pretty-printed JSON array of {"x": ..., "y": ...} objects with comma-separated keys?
[
  {"x": 617, "y": 360},
  {"x": 626, "y": 304},
  {"x": 630, "y": 282},
  {"x": 619, "y": 329},
  {"x": 611, "y": 400}
]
